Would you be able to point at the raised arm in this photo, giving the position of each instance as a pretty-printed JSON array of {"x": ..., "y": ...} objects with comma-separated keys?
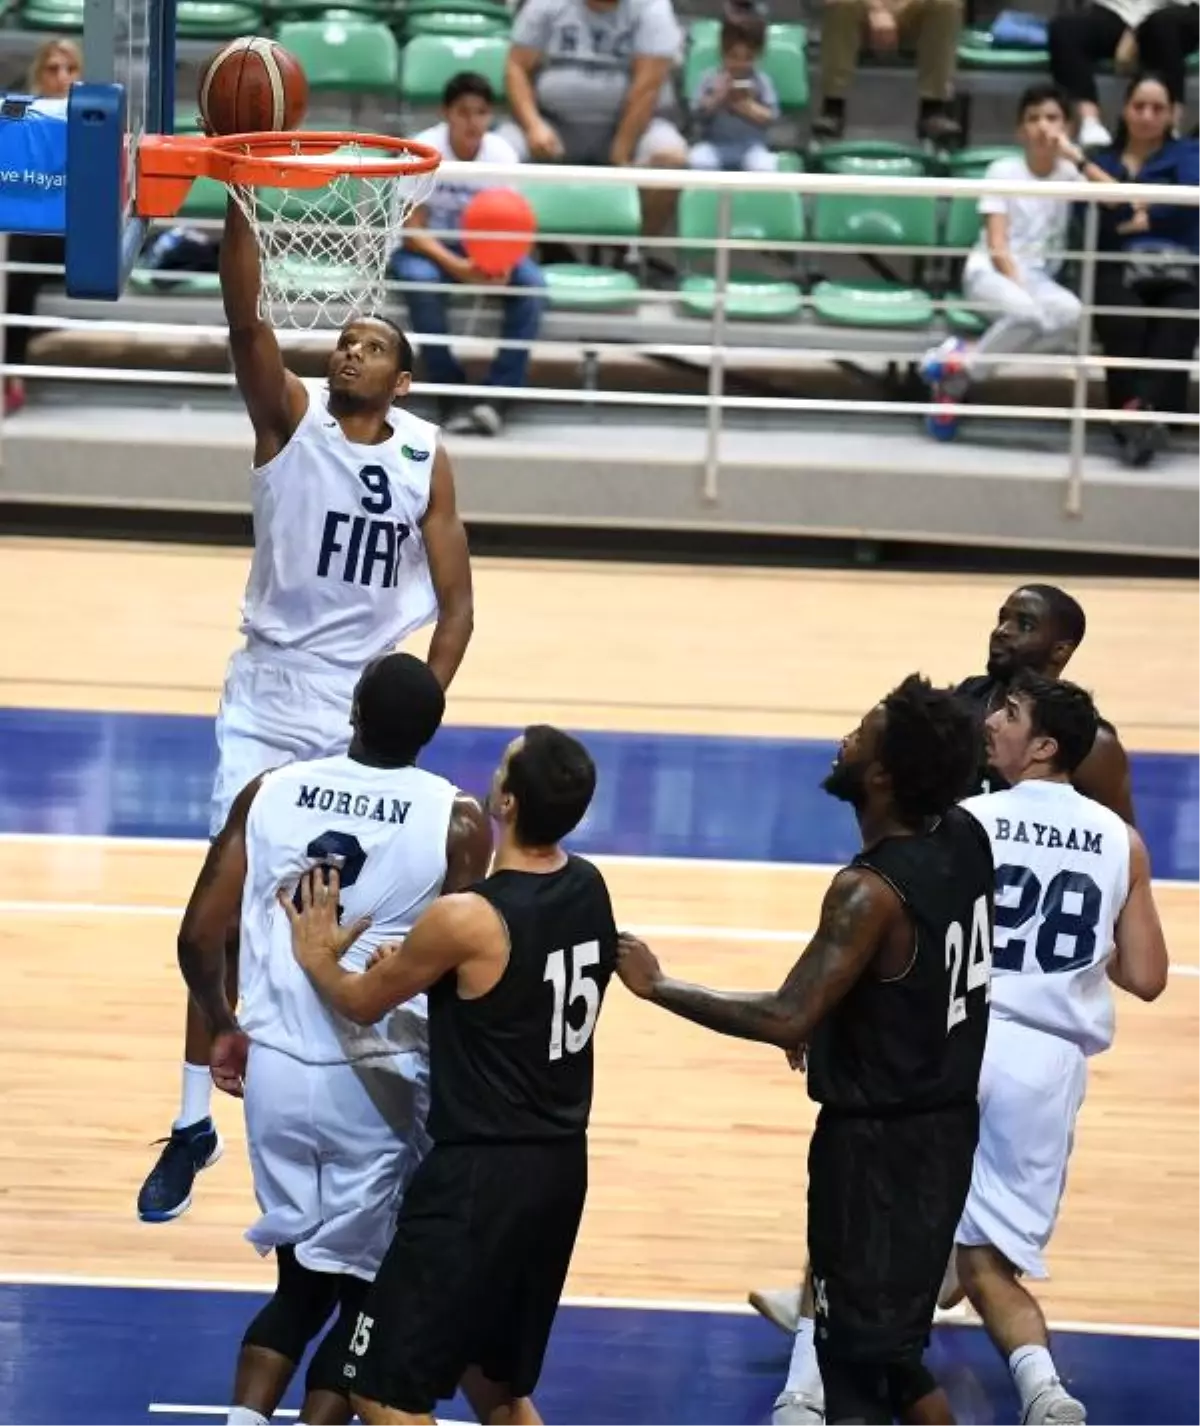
[
  {"x": 453, "y": 930},
  {"x": 1104, "y": 775},
  {"x": 1139, "y": 963},
  {"x": 275, "y": 399},
  {"x": 211, "y": 913},
  {"x": 468, "y": 845},
  {"x": 450, "y": 570},
  {"x": 856, "y": 916}
]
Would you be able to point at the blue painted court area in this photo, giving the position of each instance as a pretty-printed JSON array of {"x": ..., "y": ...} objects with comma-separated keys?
[
  {"x": 742, "y": 799},
  {"x": 102, "y": 1354}
]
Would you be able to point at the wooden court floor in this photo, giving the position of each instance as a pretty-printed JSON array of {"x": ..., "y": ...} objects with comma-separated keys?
[{"x": 698, "y": 1142}]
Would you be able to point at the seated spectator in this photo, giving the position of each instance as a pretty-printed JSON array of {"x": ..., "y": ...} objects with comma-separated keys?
[
  {"x": 1145, "y": 150},
  {"x": 1154, "y": 35},
  {"x": 468, "y": 106},
  {"x": 736, "y": 104},
  {"x": 589, "y": 81},
  {"x": 930, "y": 27},
  {"x": 1013, "y": 267},
  {"x": 57, "y": 64}
]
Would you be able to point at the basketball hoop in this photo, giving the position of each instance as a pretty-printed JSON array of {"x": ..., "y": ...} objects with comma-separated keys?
[{"x": 326, "y": 210}]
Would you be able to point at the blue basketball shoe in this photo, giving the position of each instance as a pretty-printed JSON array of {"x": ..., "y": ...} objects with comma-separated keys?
[{"x": 167, "y": 1192}]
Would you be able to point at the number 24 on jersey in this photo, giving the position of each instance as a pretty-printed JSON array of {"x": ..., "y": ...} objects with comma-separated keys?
[{"x": 978, "y": 962}]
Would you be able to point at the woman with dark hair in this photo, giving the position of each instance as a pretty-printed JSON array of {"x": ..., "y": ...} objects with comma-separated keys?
[{"x": 1159, "y": 244}]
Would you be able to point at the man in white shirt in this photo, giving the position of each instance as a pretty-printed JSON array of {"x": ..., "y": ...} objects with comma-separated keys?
[
  {"x": 431, "y": 254},
  {"x": 1075, "y": 915},
  {"x": 1011, "y": 272}
]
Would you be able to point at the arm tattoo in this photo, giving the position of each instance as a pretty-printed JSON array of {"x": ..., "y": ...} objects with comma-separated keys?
[{"x": 853, "y": 917}]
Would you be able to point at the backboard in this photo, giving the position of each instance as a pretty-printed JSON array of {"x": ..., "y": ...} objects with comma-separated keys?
[{"x": 70, "y": 168}]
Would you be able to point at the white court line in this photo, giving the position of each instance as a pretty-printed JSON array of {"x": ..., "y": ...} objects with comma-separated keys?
[
  {"x": 631, "y": 1304},
  {"x": 174, "y": 1408},
  {"x": 703, "y": 865},
  {"x": 747, "y": 935},
  {"x": 667, "y": 933}
]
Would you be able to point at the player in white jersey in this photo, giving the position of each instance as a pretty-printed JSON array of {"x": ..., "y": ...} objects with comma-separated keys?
[
  {"x": 334, "y": 1110},
  {"x": 357, "y": 544},
  {"x": 1074, "y": 912}
]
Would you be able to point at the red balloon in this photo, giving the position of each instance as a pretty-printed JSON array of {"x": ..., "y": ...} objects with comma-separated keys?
[{"x": 498, "y": 210}]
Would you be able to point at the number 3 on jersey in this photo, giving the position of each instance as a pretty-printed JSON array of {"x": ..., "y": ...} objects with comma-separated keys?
[
  {"x": 979, "y": 962},
  {"x": 563, "y": 1034}
]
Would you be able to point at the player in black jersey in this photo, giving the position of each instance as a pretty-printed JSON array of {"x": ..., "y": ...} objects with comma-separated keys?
[
  {"x": 516, "y": 969},
  {"x": 890, "y": 1004},
  {"x": 1038, "y": 629}
]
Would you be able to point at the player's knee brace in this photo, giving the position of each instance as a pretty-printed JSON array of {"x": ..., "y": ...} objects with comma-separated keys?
[
  {"x": 856, "y": 1393},
  {"x": 298, "y": 1310},
  {"x": 907, "y": 1383},
  {"x": 325, "y": 1370}
]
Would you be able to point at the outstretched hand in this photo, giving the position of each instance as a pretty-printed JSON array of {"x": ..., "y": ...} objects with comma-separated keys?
[
  {"x": 316, "y": 936},
  {"x": 637, "y": 965}
]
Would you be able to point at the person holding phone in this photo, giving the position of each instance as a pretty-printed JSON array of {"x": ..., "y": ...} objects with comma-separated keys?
[{"x": 736, "y": 105}]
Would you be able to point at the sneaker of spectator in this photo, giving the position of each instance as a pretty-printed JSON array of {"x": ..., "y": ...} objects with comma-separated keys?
[
  {"x": 432, "y": 259},
  {"x": 929, "y": 27},
  {"x": 589, "y": 82},
  {"x": 735, "y": 105}
]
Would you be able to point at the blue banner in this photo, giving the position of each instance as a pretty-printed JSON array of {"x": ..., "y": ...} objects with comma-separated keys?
[{"x": 33, "y": 165}]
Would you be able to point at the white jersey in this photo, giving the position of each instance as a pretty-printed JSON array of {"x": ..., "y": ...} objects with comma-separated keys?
[
  {"x": 339, "y": 569},
  {"x": 1062, "y": 877},
  {"x": 385, "y": 829}
]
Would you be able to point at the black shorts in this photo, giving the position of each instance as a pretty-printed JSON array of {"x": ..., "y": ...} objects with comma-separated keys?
[
  {"x": 884, "y": 1198},
  {"x": 473, "y": 1276}
]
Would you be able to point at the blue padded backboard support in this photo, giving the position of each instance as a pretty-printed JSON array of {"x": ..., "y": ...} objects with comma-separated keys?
[{"x": 103, "y": 234}]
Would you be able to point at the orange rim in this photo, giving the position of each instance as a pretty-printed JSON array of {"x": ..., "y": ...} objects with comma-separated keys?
[{"x": 168, "y": 164}]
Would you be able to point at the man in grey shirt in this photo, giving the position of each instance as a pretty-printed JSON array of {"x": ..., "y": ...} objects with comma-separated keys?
[{"x": 588, "y": 82}]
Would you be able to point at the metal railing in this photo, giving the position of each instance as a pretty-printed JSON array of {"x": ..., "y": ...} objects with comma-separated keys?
[{"x": 717, "y": 352}]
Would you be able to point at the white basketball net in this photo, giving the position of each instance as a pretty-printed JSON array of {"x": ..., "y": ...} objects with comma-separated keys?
[{"x": 324, "y": 251}]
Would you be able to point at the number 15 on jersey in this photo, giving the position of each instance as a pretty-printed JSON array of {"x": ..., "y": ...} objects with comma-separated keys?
[
  {"x": 563, "y": 1034},
  {"x": 978, "y": 962}
]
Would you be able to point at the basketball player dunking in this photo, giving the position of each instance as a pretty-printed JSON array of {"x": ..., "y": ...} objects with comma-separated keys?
[
  {"x": 334, "y": 1111},
  {"x": 889, "y": 1004},
  {"x": 357, "y": 543},
  {"x": 1074, "y": 912},
  {"x": 516, "y": 970}
]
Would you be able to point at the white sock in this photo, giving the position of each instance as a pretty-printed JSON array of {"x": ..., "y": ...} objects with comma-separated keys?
[
  {"x": 1033, "y": 1371},
  {"x": 804, "y": 1375},
  {"x": 195, "y": 1104},
  {"x": 243, "y": 1416}
]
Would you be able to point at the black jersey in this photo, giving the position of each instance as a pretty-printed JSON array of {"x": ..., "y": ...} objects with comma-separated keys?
[
  {"x": 984, "y": 693},
  {"x": 915, "y": 1042},
  {"x": 515, "y": 1065}
]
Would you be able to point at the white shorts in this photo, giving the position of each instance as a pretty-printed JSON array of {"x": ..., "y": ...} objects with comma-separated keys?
[
  {"x": 1030, "y": 1091},
  {"x": 276, "y": 709},
  {"x": 332, "y": 1149}
]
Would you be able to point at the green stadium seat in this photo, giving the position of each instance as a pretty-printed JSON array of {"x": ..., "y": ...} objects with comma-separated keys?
[
  {"x": 206, "y": 199},
  {"x": 324, "y": 10},
  {"x": 789, "y": 161},
  {"x": 963, "y": 222},
  {"x": 216, "y": 19},
  {"x": 598, "y": 214},
  {"x": 66, "y": 16},
  {"x": 347, "y": 55},
  {"x": 895, "y": 166},
  {"x": 179, "y": 284},
  {"x": 858, "y": 221},
  {"x": 467, "y": 23},
  {"x": 785, "y": 60},
  {"x": 832, "y": 157},
  {"x": 976, "y": 50},
  {"x": 762, "y": 218},
  {"x": 430, "y": 60}
]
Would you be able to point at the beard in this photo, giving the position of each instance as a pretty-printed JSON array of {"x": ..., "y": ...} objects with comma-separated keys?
[
  {"x": 1002, "y": 665},
  {"x": 847, "y": 782}
]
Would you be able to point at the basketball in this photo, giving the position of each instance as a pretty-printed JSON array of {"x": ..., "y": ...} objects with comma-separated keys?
[
  {"x": 498, "y": 210},
  {"x": 250, "y": 86}
]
